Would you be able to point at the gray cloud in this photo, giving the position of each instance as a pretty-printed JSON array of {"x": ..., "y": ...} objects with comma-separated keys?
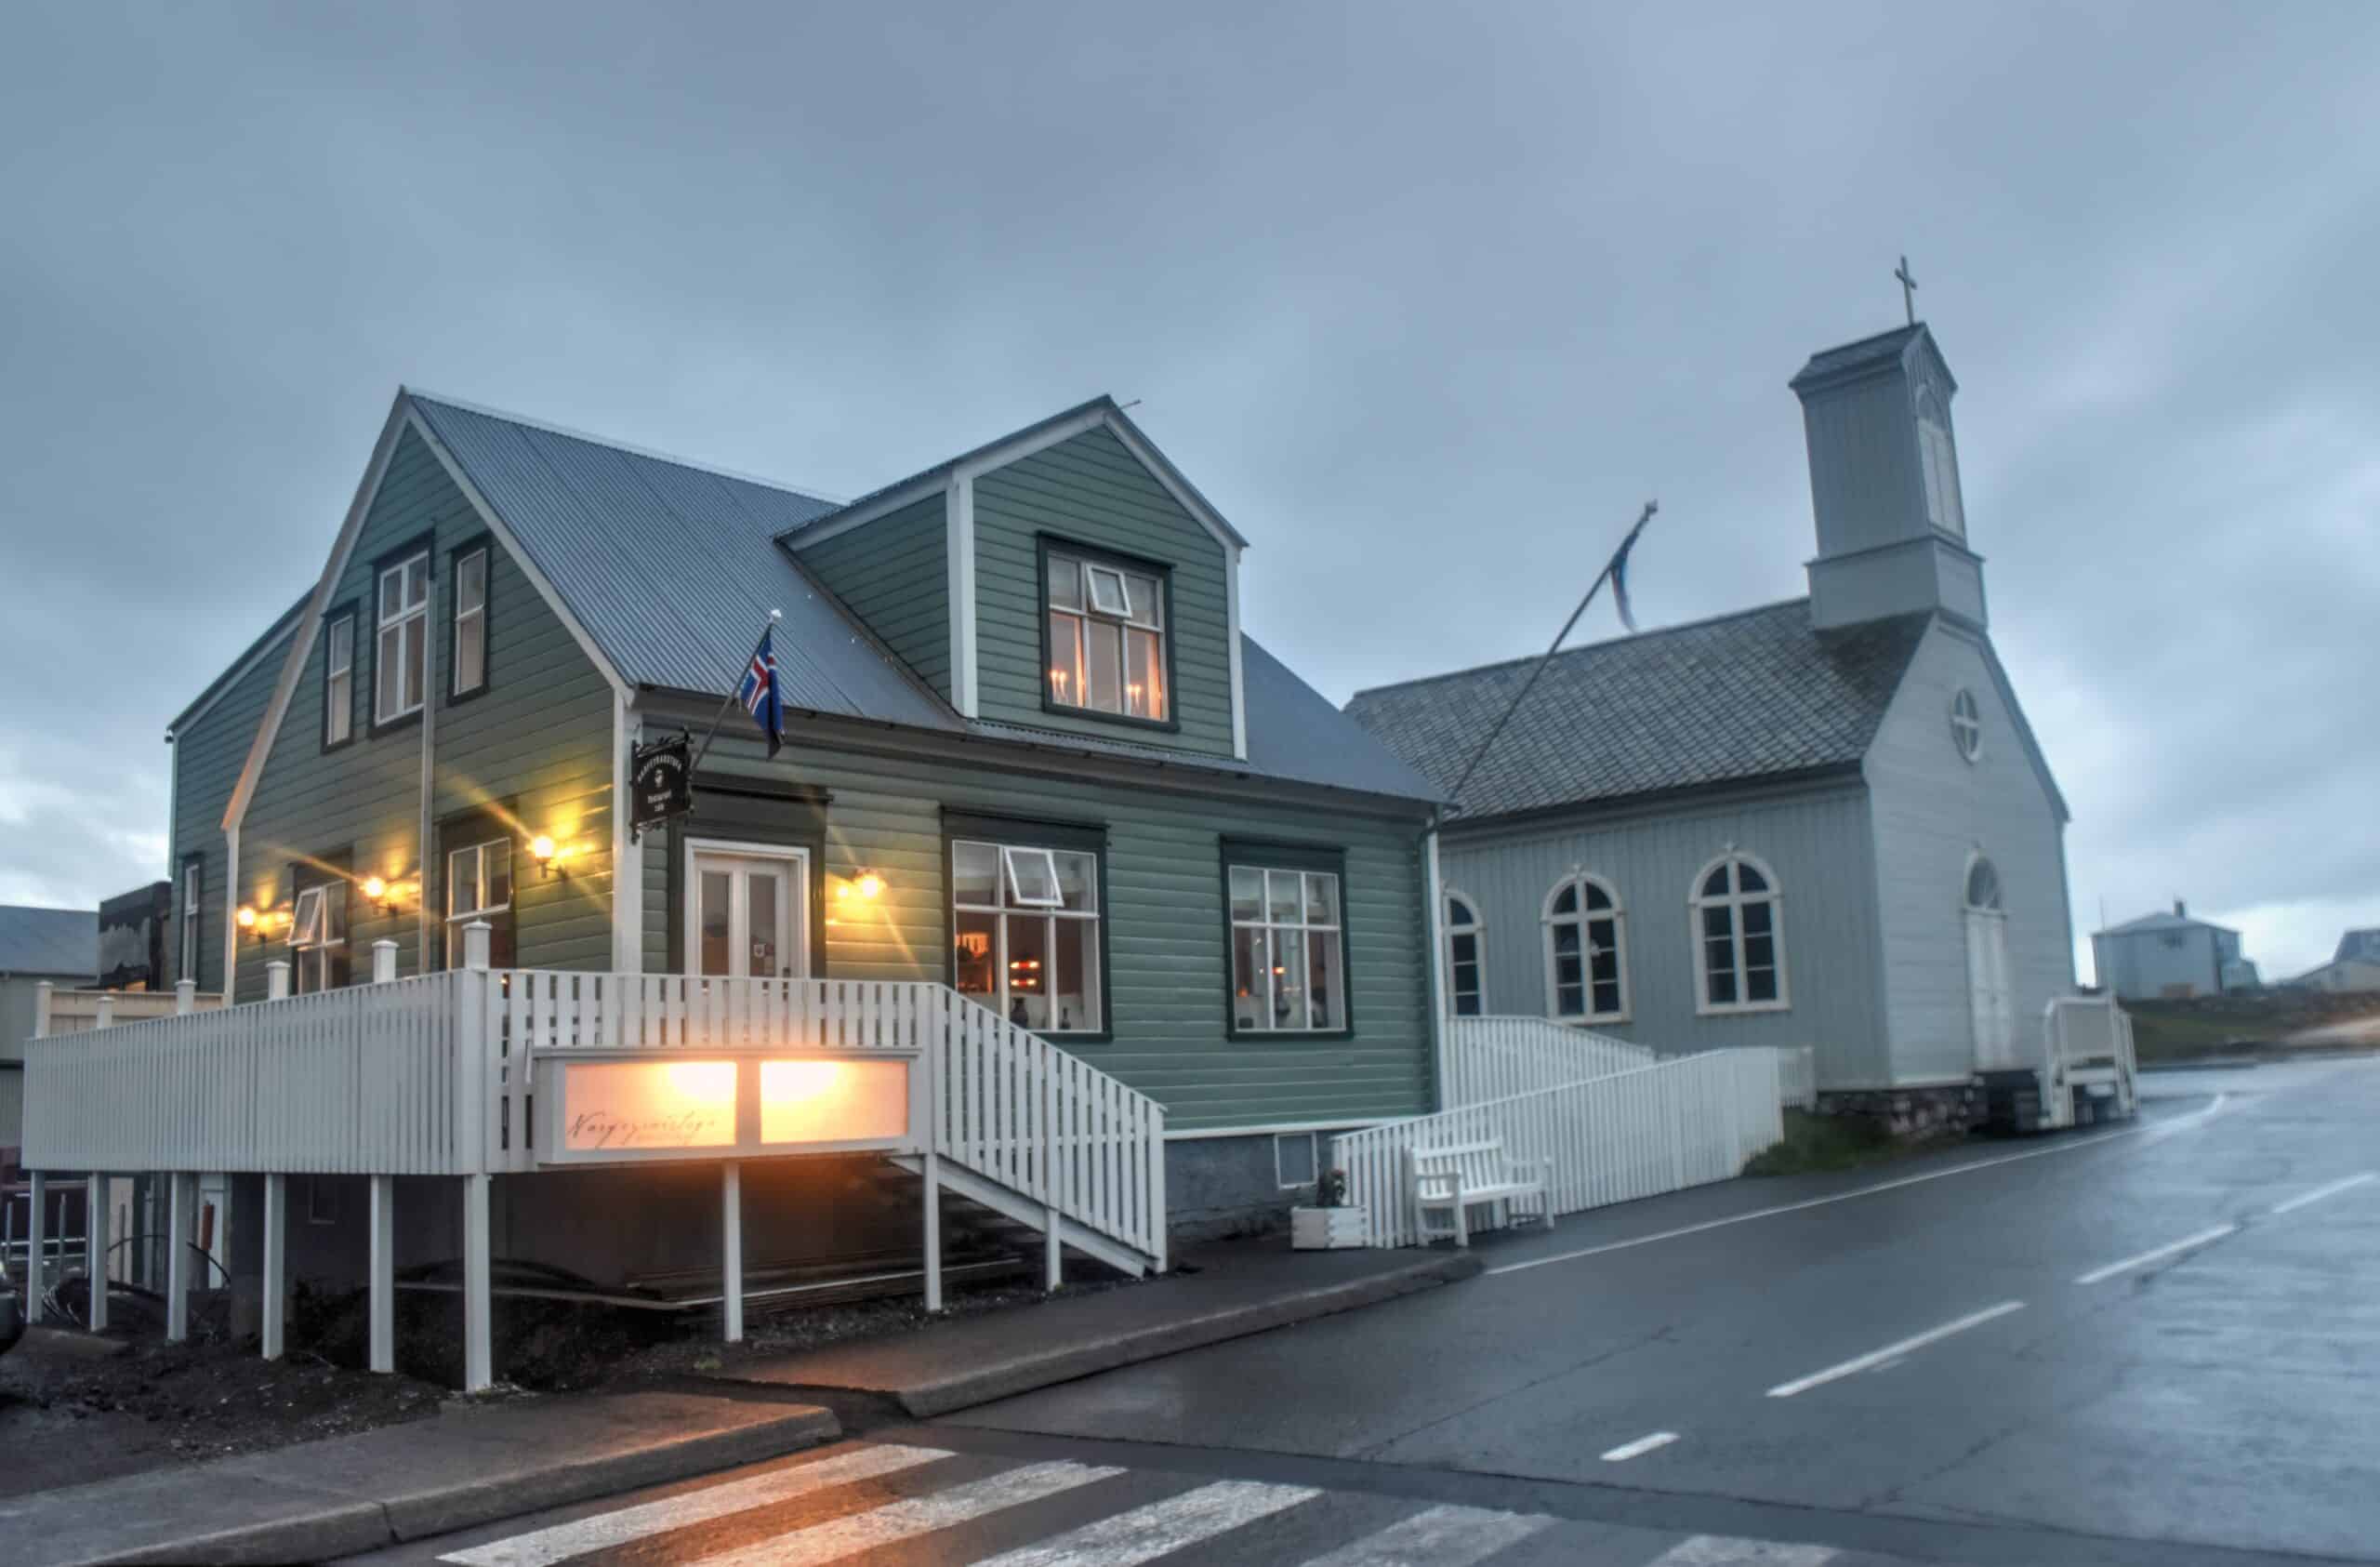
[{"x": 1428, "y": 300}]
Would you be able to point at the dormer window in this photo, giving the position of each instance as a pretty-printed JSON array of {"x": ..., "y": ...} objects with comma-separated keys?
[{"x": 1106, "y": 632}]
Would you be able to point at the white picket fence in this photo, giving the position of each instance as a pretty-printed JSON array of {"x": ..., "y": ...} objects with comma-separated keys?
[
  {"x": 1633, "y": 1133},
  {"x": 1797, "y": 1070},
  {"x": 1496, "y": 1057}
]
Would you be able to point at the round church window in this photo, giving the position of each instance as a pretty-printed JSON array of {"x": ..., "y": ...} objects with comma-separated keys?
[{"x": 1966, "y": 724}]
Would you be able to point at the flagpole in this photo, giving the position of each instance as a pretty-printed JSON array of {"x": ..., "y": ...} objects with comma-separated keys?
[
  {"x": 1514, "y": 706},
  {"x": 712, "y": 733}
]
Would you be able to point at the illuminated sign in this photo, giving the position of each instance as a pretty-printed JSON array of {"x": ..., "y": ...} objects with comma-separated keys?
[
  {"x": 616, "y": 1111},
  {"x": 643, "y": 1106},
  {"x": 833, "y": 1101}
]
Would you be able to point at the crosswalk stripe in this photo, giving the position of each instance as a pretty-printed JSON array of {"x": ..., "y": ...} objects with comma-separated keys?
[
  {"x": 562, "y": 1540},
  {"x": 1146, "y": 1532},
  {"x": 1714, "y": 1550},
  {"x": 918, "y": 1515},
  {"x": 1441, "y": 1536}
]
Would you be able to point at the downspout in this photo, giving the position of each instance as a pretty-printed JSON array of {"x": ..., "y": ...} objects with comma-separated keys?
[
  {"x": 1433, "y": 892},
  {"x": 429, "y": 772}
]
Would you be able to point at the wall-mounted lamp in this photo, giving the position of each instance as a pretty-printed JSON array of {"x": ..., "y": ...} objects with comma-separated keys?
[
  {"x": 864, "y": 883},
  {"x": 380, "y": 895},
  {"x": 246, "y": 919},
  {"x": 549, "y": 857}
]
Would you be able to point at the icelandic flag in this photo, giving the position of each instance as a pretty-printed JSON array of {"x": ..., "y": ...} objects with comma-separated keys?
[{"x": 759, "y": 694}]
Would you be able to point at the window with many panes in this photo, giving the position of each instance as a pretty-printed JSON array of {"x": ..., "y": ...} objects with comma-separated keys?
[
  {"x": 470, "y": 623},
  {"x": 1288, "y": 943},
  {"x": 1107, "y": 635},
  {"x": 1738, "y": 937},
  {"x": 401, "y": 656},
  {"x": 479, "y": 886},
  {"x": 318, "y": 937},
  {"x": 1586, "y": 950},
  {"x": 1024, "y": 933},
  {"x": 338, "y": 681},
  {"x": 1466, "y": 984}
]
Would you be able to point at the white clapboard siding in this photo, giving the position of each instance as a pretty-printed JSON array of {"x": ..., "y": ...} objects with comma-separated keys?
[
  {"x": 1496, "y": 1057},
  {"x": 1613, "y": 1138},
  {"x": 1797, "y": 1081}
]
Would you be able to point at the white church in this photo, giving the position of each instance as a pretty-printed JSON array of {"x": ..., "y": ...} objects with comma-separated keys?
[{"x": 1823, "y": 822}]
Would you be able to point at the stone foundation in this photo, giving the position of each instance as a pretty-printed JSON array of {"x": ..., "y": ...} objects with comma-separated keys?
[{"x": 1911, "y": 1114}]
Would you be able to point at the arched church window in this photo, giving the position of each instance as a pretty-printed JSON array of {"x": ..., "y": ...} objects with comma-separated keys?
[
  {"x": 1738, "y": 936},
  {"x": 1466, "y": 972},
  {"x": 1966, "y": 724},
  {"x": 1586, "y": 950}
]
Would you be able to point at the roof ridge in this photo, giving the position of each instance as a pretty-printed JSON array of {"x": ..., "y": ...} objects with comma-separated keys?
[
  {"x": 46, "y": 909},
  {"x": 420, "y": 394},
  {"x": 1629, "y": 640}
]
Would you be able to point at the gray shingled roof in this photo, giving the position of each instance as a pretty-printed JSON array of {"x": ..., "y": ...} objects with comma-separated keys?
[
  {"x": 1744, "y": 696},
  {"x": 59, "y": 943},
  {"x": 672, "y": 568}
]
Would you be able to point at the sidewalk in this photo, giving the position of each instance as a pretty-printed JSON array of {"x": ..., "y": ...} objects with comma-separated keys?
[
  {"x": 1218, "y": 1292},
  {"x": 467, "y": 1465}
]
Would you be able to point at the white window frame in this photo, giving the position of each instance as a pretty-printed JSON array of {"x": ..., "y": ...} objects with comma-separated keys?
[
  {"x": 1068, "y": 687},
  {"x": 338, "y": 679},
  {"x": 411, "y": 623},
  {"x": 1303, "y": 927},
  {"x": 1734, "y": 901},
  {"x": 457, "y": 919},
  {"x": 1002, "y": 911},
  {"x": 1095, "y": 576},
  {"x": 193, "y": 891},
  {"x": 318, "y": 950},
  {"x": 467, "y": 613},
  {"x": 1583, "y": 917},
  {"x": 1314, "y": 1158},
  {"x": 1012, "y": 857},
  {"x": 1476, "y": 928},
  {"x": 1966, "y": 724}
]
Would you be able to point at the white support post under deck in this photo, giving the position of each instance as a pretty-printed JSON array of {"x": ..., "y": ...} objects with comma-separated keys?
[
  {"x": 479, "y": 1354},
  {"x": 178, "y": 1185},
  {"x": 731, "y": 1225},
  {"x": 276, "y": 1264},
  {"x": 932, "y": 1169},
  {"x": 37, "y": 1247},
  {"x": 383, "y": 1221},
  {"x": 95, "y": 1250}
]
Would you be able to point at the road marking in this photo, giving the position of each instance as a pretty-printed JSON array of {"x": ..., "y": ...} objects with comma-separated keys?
[
  {"x": 1146, "y": 1532},
  {"x": 2322, "y": 1191},
  {"x": 1441, "y": 1536},
  {"x": 1638, "y": 1448},
  {"x": 2179, "y": 1123},
  {"x": 604, "y": 1530},
  {"x": 2204, "y": 1237},
  {"x": 1890, "y": 1352},
  {"x": 896, "y": 1521},
  {"x": 1710, "y": 1550}
]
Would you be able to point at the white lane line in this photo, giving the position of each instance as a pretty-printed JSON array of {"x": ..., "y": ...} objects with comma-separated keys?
[
  {"x": 1894, "y": 1351},
  {"x": 1638, "y": 1448},
  {"x": 1441, "y": 1536},
  {"x": 564, "y": 1541},
  {"x": 1713, "y": 1550},
  {"x": 2322, "y": 1191},
  {"x": 896, "y": 1521},
  {"x": 2213, "y": 1233},
  {"x": 1147, "y": 1532}
]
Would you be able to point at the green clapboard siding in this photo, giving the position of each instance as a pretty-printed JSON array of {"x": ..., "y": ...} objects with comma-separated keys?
[
  {"x": 1093, "y": 491},
  {"x": 895, "y": 573},
  {"x": 208, "y": 759},
  {"x": 536, "y": 746},
  {"x": 1164, "y": 921}
]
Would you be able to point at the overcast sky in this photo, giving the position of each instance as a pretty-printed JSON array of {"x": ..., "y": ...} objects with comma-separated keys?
[{"x": 1427, "y": 299}]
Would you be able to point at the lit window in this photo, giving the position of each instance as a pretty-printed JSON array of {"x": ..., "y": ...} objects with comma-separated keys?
[
  {"x": 1286, "y": 958},
  {"x": 1466, "y": 974},
  {"x": 1738, "y": 929},
  {"x": 470, "y": 622},
  {"x": 1106, "y": 629},
  {"x": 1025, "y": 933},
  {"x": 1966, "y": 724},
  {"x": 479, "y": 886},
  {"x": 338, "y": 681},
  {"x": 318, "y": 937},
  {"x": 402, "y": 656},
  {"x": 1586, "y": 958}
]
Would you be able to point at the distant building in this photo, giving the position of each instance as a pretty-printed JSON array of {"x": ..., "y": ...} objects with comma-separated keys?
[
  {"x": 2171, "y": 957},
  {"x": 60, "y": 945},
  {"x": 2344, "y": 975},
  {"x": 2363, "y": 944}
]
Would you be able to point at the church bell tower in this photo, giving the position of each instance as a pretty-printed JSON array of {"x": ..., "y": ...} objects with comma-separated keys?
[{"x": 1884, "y": 482}]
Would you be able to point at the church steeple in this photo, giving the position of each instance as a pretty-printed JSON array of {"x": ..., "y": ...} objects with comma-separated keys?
[{"x": 1885, "y": 481}]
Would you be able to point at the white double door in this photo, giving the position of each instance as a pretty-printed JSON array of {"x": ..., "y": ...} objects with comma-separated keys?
[
  {"x": 1990, "y": 995},
  {"x": 746, "y": 909}
]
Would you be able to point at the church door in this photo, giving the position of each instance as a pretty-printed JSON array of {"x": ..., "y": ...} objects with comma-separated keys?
[{"x": 1990, "y": 997}]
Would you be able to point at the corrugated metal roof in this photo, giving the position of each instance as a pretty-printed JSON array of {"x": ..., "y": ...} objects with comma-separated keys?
[
  {"x": 1743, "y": 697},
  {"x": 57, "y": 943}
]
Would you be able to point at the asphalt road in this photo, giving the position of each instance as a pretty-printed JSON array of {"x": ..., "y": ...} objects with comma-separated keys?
[{"x": 2160, "y": 1344}]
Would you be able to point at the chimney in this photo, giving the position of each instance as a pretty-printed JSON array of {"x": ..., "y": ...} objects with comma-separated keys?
[
  {"x": 2181, "y": 910},
  {"x": 1892, "y": 526}
]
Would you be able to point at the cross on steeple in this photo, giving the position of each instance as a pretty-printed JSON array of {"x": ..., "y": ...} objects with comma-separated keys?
[{"x": 1908, "y": 290}]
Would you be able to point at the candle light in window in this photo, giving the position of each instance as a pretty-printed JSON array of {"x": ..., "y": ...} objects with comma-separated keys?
[
  {"x": 1133, "y": 697},
  {"x": 1058, "y": 683}
]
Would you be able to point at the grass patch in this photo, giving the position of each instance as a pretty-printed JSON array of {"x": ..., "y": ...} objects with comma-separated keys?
[
  {"x": 2243, "y": 1025},
  {"x": 1815, "y": 1144}
]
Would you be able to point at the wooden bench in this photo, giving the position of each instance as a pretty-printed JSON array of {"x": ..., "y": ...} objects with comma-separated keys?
[{"x": 1456, "y": 1176}]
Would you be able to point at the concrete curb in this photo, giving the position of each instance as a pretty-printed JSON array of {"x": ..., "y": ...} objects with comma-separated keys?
[
  {"x": 357, "y": 1494},
  {"x": 987, "y": 1381}
]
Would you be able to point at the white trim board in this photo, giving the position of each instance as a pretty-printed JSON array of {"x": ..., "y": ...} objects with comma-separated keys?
[{"x": 1282, "y": 1130}]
